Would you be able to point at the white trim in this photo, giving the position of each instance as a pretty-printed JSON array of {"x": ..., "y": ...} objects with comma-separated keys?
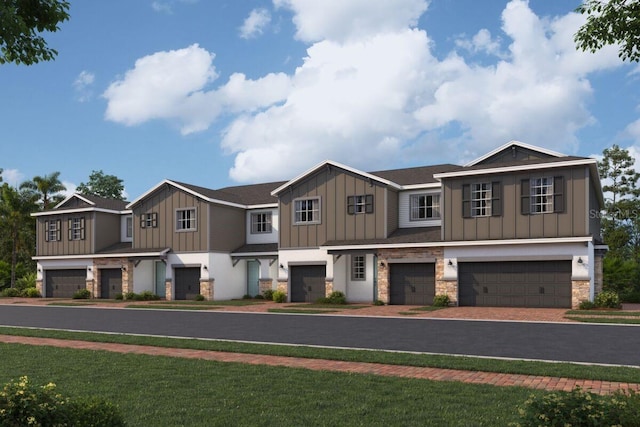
[
  {"x": 519, "y": 168},
  {"x": 262, "y": 206},
  {"x": 516, "y": 143},
  {"x": 432, "y": 185},
  {"x": 186, "y": 190},
  {"x": 78, "y": 210},
  {"x": 78, "y": 195},
  {"x": 115, "y": 255},
  {"x": 337, "y": 165},
  {"x": 253, "y": 254}
]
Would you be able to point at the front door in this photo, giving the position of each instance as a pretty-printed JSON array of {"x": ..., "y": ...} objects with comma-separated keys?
[
  {"x": 161, "y": 277},
  {"x": 253, "y": 277}
]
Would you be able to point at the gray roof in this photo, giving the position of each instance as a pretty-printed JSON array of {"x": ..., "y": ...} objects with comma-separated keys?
[
  {"x": 401, "y": 235},
  {"x": 104, "y": 203},
  {"x": 127, "y": 248},
  {"x": 417, "y": 175},
  {"x": 255, "y": 194},
  {"x": 256, "y": 248}
]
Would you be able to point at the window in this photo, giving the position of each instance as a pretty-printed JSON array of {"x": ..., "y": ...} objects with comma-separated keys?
[
  {"x": 358, "y": 267},
  {"x": 542, "y": 195},
  {"x": 360, "y": 204},
  {"x": 307, "y": 211},
  {"x": 261, "y": 222},
  {"x": 186, "y": 219},
  {"x": 424, "y": 206},
  {"x": 52, "y": 230},
  {"x": 129, "y": 226},
  {"x": 76, "y": 229},
  {"x": 482, "y": 199},
  {"x": 149, "y": 220}
]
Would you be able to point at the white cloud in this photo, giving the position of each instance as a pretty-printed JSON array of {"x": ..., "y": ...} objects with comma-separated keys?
[
  {"x": 162, "y": 7},
  {"x": 13, "y": 177},
  {"x": 82, "y": 86},
  {"x": 70, "y": 188},
  {"x": 481, "y": 42},
  {"x": 255, "y": 23}
]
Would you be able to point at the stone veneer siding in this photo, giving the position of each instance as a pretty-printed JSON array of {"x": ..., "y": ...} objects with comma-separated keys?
[
  {"x": 168, "y": 289},
  {"x": 579, "y": 292},
  {"x": 207, "y": 287},
  {"x": 328, "y": 287},
  {"x": 126, "y": 267},
  {"x": 264, "y": 284}
]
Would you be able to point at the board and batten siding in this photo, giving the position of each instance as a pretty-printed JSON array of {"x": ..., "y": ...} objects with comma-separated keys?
[
  {"x": 165, "y": 201},
  {"x": 404, "y": 209},
  {"x": 392, "y": 210},
  {"x": 332, "y": 186},
  {"x": 512, "y": 224},
  {"x": 227, "y": 228},
  {"x": 64, "y": 246}
]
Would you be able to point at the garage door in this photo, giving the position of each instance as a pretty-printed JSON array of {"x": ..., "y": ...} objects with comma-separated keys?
[
  {"x": 515, "y": 284},
  {"x": 64, "y": 283},
  {"x": 308, "y": 283},
  {"x": 110, "y": 282},
  {"x": 412, "y": 284},
  {"x": 187, "y": 282}
]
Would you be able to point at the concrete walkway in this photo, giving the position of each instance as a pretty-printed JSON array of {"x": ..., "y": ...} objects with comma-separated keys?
[{"x": 434, "y": 374}]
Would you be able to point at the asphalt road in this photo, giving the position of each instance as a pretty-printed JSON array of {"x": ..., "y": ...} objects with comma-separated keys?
[{"x": 608, "y": 344}]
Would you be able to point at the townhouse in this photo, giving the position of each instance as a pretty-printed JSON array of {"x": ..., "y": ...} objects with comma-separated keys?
[{"x": 518, "y": 226}]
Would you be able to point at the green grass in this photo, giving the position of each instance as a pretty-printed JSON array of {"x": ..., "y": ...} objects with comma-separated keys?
[
  {"x": 174, "y": 307},
  {"x": 72, "y": 304},
  {"x": 340, "y": 306},
  {"x": 408, "y": 313},
  {"x": 232, "y": 303},
  {"x": 300, "y": 311},
  {"x": 604, "y": 313},
  {"x": 164, "y": 391},
  {"x": 618, "y": 320},
  {"x": 428, "y": 308},
  {"x": 568, "y": 370}
]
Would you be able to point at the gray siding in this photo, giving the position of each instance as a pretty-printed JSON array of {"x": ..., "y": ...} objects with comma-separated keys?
[
  {"x": 512, "y": 224},
  {"x": 64, "y": 246},
  {"x": 594, "y": 211},
  {"x": 107, "y": 230},
  {"x": 332, "y": 186},
  {"x": 227, "y": 228}
]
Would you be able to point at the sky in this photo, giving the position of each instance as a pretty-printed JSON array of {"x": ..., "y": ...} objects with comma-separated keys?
[{"x": 219, "y": 93}]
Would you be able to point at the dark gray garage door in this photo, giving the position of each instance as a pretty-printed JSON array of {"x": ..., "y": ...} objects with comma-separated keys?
[
  {"x": 308, "y": 283},
  {"x": 515, "y": 284},
  {"x": 187, "y": 282},
  {"x": 64, "y": 283},
  {"x": 412, "y": 284},
  {"x": 110, "y": 282}
]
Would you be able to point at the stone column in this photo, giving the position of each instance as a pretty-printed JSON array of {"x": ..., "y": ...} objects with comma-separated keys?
[
  {"x": 40, "y": 287},
  {"x": 283, "y": 284},
  {"x": 207, "y": 288},
  {"x": 168, "y": 286},
  {"x": 383, "y": 280},
  {"x": 264, "y": 284},
  {"x": 328, "y": 286},
  {"x": 127, "y": 277},
  {"x": 598, "y": 275},
  {"x": 579, "y": 292}
]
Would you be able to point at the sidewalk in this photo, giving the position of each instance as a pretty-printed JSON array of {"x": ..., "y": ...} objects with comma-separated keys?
[{"x": 433, "y": 374}]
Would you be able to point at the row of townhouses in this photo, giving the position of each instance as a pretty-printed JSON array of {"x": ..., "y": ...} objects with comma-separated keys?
[{"x": 519, "y": 226}]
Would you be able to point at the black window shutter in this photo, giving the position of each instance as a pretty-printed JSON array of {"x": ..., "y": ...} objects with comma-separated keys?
[
  {"x": 154, "y": 219},
  {"x": 142, "y": 220},
  {"x": 351, "y": 205},
  {"x": 82, "y": 228},
  {"x": 496, "y": 199},
  {"x": 466, "y": 201},
  {"x": 525, "y": 197},
  {"x": 369, "y": 203},
  {"x": 46, "y": 231},
  {"x": 59, "y": 230},
  {"x": 70, "y": 226},
  {"x": 558, "y": 194}
]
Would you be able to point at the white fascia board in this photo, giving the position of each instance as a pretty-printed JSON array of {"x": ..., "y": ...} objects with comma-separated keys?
[
  {"x": 464, "y": 243},
  {"x": 78, "y": 195},
  {"x": 78, "y": 210},
  {"x": 337, "y": 165},
  {"x": 519, "y": 144},
  {"x": 115, "y": 255},
  {"x": 519, "y": 168},
  {"x": 263, "y": 206},
  {"x": 254, "y": 254},
  {"x": 430, "y": 186},
  {"x": 149, "y": 191}
]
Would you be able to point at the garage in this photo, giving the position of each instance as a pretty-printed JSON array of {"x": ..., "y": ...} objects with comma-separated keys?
[
  {"x": 64, "y": 283},
  {"x": 308, "y": 283},
  {"x": 412, "y": 284},
  {"x": 515, "y": 284},
  {"x": 187, "y": 282},
  {"x": 110, "y": 282}
]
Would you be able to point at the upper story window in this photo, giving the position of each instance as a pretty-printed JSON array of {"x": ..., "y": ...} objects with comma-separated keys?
[
  {"x": 358, "y": 267},
  {"x": 541, "y": 195},
  {"x": 260, "y": 222},
  {"x": 129, "y": 227},
  {"x": 149, "y": 220},
  {"x": 186, "y": 219},
  {"x": 360, "y": 204},
  {"x": 76, "y": 228},
  {"x": 424, "y": 206},
  {"x": 306, "y": 211},
  {"x": 52, "y": 230},
  {"x": 481, "y": 199}
]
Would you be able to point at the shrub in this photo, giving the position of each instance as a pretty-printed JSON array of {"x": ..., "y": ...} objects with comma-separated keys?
[
  {"x": 378, "y": 302},
  {"x": 200, "y": 297},
  {"x": 119, "y": 296},
  {"x": 585, "y": 304},
  {"x": 258, "y": 297},
  {"x": 607, "y": 299},
  {"x": 268, "y": 294},
  {"x": 336, "y": 297},
  {"x": 441, "y": 300},
  {"x": 26, "y": 281},
  {"x": 129, "y": 296},
  {"x": 31, "y": 293},
  {"x": 280, "y": 296},
  {"x": 11, "y": 293},
  {"x": 631, "y": 296},
  {"x": 24, "y": 404},
  {"x": 148, "y": 296},
  {"x": 246, "y": 296},
  {"x": 580, "y": 408},
  {"x": 82, "y": 294}
]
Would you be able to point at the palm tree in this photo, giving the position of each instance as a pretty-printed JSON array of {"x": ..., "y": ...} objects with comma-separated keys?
[{"x": 48, "y": 186}]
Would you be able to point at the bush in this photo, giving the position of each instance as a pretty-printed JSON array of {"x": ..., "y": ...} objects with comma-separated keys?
[
  {"x": 279, "y": 296},
  {"x": 11, "y": 293},
  {"x": 148, "y": 296},
  {"x": 82, "y": 294},
  {"x": 378, "y": 302},
  {"x": 23, "y": 404},
  {"x": 336, "y": 297},
  {"x": 631, "y": 296},
  {"x": 26, "y": 281},
  {"x": 441, "y": 300},
  {"x": 258, "y": 297},
  {"x": 580, "y": 408},
  {"x": 129, "y": 296},
  {"x": 585, "y": 304},
  {"x": 31, "y": 293},
  {"x": 119, "y": 296},
  {"x": 268, "y": 294},
  {"x": 607, "y": 299},
  {"x": 246, "y": 296},
  {"x": 200, "y": 297}
]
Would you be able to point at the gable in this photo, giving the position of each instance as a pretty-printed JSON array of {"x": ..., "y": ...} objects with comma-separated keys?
[
  {"x": 74, "y": 203},
  {"x": 513, "y": 154}
]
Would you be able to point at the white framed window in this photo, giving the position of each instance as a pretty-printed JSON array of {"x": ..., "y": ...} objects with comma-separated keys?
[
  {"x": 424, "y": 206},
  {"x": 360, "y": 204},
  {"x": 76, "y": 228},
  {"x": 261, "y": 222},
  {"x": 149, "y": 220},
  {"x": 481, "y": 199},
  {"x": 541, "y": 195},
  {"x": 306, "y": 211},
  {"x": 358, "y": 267},
  {"x": 52, "y": 230},
  {"x": 129, "y": 226},
  {"x": 186, "y": 219}
]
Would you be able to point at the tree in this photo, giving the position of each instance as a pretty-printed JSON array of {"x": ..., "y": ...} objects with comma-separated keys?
[
  {"x": 22, "y": 22},
  {"x": 617, "y": 165},
  {"x": 48, "y": 186},
  {"x": 108, "y": 186},
  {"x": 611, "y": 22}
]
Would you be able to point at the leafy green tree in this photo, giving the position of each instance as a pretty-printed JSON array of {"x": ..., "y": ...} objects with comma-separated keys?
[
  {"x": 21, "y": 25},
  {"x": 611, "y": 22},
  {"x": 49, "y": 188},
  {"x": 99, "y": 184}
]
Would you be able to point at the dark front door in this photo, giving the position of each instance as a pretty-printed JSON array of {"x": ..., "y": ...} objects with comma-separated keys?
[
  {"x": 412, "y": 284},
  {"x": 515, "y": 284},
  {"x": 187, "y": 282},
  {"x": 308, "y": 283},
  {"x": 110, "y": 282},
  {"x": 65, "y": 283}
]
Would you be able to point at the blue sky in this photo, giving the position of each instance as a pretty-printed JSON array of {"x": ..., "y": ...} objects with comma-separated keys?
[{"x": 219, "y": 93}]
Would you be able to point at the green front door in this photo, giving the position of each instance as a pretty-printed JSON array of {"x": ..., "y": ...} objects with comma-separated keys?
[
  {"x": 161, "y": 276},
  {"x": 253, "y": 276}
]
